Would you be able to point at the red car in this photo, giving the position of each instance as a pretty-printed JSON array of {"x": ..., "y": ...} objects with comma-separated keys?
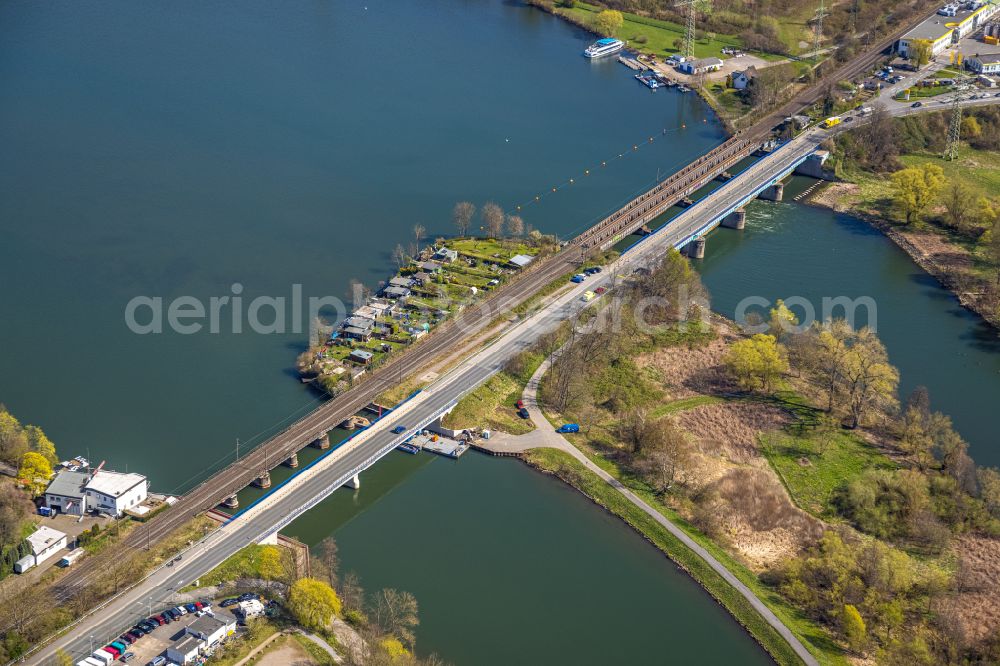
[
  {"x": 600, "y": 290},
  {"x": 112, "y": 650},
  {"x": 520, "y": 404}
]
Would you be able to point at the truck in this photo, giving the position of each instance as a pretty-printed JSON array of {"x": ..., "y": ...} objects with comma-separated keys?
[
  {"x": 831, "y": 121},
  {"x": 71, "y": 557},
  {"x": 103, "y": 656},
  {"x": 569, "y": 427},
  {"x": 865, "y": 111}
]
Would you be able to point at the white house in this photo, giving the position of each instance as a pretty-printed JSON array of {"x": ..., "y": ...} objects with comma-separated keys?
[
  {"x": 114, "y": 492},
  {"x": 77, "y": 492},
  {"x": 445, "y": 255},
  {"x": 45, "y": 543},
  {"x": 984, "y": 64},
  {"x": 742, "y": 79}
]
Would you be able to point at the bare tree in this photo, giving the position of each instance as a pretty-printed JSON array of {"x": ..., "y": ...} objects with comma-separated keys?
[
  {"x": 515, "y": 225},
  {"x": 493, "y": 218},
  {"x": 351, "y": 592},
  {"x": 666, "y": 451},
  {"x": 399, "y": 255},
  {"x": 396, "y": 612},
  {"x": 330, "y": 557},
  {"x": 462, "y": 217},
  {"x": 419, "y": 232}
]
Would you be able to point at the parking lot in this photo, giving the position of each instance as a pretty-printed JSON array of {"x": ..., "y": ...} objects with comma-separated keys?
[{"x": 155, "y": 643}]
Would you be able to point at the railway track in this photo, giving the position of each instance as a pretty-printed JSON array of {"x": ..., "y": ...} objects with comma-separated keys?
[{"x": 210, "y": 492}]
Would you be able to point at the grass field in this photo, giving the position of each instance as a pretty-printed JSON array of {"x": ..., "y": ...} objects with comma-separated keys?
[
  {"x": 492, "y": 404},
  {"x": 660, "y": 35},
  {"x": 812, "y": 470},
  {"x": 594, "y": 487},
  {"x": 244, "y": 564}
]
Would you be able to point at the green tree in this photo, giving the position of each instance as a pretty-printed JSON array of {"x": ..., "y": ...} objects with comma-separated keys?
[
  {"x": 63, "y": 658},
  {"x": 313, "y": 603},
  {"x": 916, "y": 188},
  {"x": 959, "y": 205},
  {"x": 782, "y": 320},
  {"x": 269, "y": 563},
  {"x": 854, "y": 628},
  {"x": 971, "y": 127},
  {"x": 920, "y": 52},
  {"x": 870, "y": 381},
  {"x": 34, "y": 472},
  {"x": 756, "y": 362},
  {"x": 608, "y": 22}
]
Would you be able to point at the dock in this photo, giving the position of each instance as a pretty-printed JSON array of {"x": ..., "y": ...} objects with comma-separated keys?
[
  {"x": 649, "y": 81},
  {"x": 443, "y": 446},
  {"x": 632, "y": 63}
]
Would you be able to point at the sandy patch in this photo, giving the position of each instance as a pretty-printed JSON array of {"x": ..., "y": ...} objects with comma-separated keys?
[
  {"x": 288, "y": 654},
  {"x": 837, "y": 196}
]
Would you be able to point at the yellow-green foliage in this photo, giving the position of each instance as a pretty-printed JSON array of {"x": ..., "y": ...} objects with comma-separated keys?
[{"x": 313, "y": 603}]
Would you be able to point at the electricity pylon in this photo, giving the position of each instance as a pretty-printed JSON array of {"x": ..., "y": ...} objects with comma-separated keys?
[
  {"x": 689, "y": 27},
  {"x": 820, "y": 13},
  {"x": 954, "y": 130}
]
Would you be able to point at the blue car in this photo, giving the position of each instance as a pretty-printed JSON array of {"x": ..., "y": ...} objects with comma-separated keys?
[
  {"x": 569, "y": 427},
  {"x": 578, "y": 278},
  {"x": 399, "y": 430}
]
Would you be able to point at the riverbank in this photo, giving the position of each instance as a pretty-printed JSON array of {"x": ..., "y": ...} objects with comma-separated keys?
[
  {"x": 950, "y": 263},
  {"x": 766, "y": 479}
]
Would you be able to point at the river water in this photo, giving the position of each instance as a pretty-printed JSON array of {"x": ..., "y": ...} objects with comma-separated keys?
[{"x": 176, "y": 149}]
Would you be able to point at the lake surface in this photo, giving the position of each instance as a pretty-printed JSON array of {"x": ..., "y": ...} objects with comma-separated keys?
[
  {"x": 791, "y": 250},
  {"x": 520, "y": 568},
  {"x": 175, "y": 149}
]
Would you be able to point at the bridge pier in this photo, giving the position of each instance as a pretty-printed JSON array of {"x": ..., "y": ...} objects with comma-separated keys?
[
  {"x": 696, "y": 248},
  {"x": 293, "y": 460},
  {"x": 231, "y": 502},
  {"x": 263, "y": 481},
  {"x": 773, "y": 193},
  {"x": 354, "y": 482},
  {"x": 735, "y": 220},
  {"x": 322, "y": 443}
]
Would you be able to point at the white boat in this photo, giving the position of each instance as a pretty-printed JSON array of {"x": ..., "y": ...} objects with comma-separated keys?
[{"x": 603, "y": 47}]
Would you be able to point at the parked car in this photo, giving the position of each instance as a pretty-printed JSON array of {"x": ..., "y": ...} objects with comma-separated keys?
[
  {"x": 520, "y": 404},
  {"x": 600, "y": 290},
  {"x": 523, "y": 413},
  {"x": 128, "y": 656},
  {"x": 157, "y": 661},
  {"x": 181, "y": 610},
  {"x": 126, "y": 639},
  {"x": 578, "y": 278},
  {"x": 191, "y": 608},
  {"x": 588, "y": 296},
  {"x": 569, "y": 427},
  {"x": 917, "y": 105},
  {"x": 231, "y": 601}
]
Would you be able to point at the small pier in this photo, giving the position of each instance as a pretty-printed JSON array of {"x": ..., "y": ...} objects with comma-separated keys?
[
  {"x": 443, "y": 446},
  {"x": 631, "y": 63}
]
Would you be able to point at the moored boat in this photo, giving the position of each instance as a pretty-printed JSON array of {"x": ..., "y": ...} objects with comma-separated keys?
[{"x": 604, "y": 47}]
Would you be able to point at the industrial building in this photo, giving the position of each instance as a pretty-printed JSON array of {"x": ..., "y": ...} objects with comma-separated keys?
[{"x": 942, "y": 30}]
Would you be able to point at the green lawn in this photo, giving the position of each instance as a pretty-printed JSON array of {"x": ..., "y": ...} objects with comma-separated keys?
[
  {"x": 244, "y": 564},
  {"x": 979, "y": 169},
  {"x": 660, "y": 35},
  {"x": 812, "y": 471},
  {"x": 682, "y": 405},
  {"x": 593, "y": 486},
  {"x": 492, "y": 404}
]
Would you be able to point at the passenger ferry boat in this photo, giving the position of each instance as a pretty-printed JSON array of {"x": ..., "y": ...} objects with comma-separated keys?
[{"x": 603, "y": 47}]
